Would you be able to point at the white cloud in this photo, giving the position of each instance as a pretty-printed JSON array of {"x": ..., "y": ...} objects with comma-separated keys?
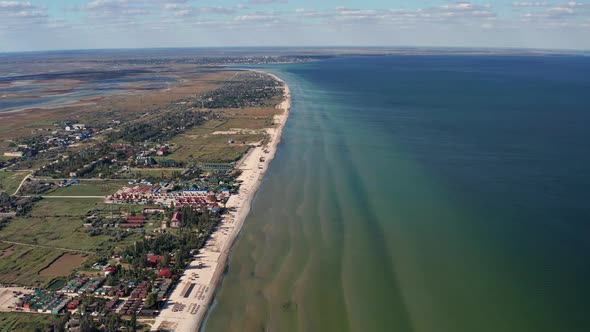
[
  {"x": 257, "y": 17},
  {"x": 105, "y": 5},
  {"x": 15, "y": 5},
  {"x": 563, "y": 14},
  {"x": 185, "y": 10},
  {"x": 21, "y": 9},
  {"x": 132, "y": 18},
  {"x": 18, "y": 14},
  {"x": 530, "y": 4},
  {"x": 266, "y": 2}
]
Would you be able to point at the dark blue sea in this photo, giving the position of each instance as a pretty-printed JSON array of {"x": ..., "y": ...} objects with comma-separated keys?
[{"x": 422, "y": 193}]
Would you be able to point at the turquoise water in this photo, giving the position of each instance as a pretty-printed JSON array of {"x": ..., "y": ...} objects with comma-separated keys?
[{"x": 421, "y": 194}]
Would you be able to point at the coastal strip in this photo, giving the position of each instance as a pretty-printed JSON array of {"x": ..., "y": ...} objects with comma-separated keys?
[{"x": 187, "y": 306}]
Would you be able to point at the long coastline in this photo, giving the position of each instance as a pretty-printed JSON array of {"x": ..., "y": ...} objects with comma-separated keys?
[{"x": 187, "y": 306}]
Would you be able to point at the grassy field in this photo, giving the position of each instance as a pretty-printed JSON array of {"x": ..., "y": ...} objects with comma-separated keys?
[
  {"x": 247, "y": 118},
  {"x": 22, "y": 264},
  {"x": 57, "y": 284},
  {"x": 155, "y": 172},
  {"x": 89, "y": 188},
  {"x": 53, "y": 225},
  {"x": 9, "y": 181},
  {"x": 21, "y": 322},
  {"x": 63, "y": 265},
  {"x": 55, "y": 232},
  {"x": 202, "y": 146},
  {"x": 55, "y": 207},
  {"x": 216, "y": 153}
]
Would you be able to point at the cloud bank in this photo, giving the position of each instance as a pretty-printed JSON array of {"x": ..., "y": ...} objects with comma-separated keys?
[{"x": 36, "y": 25}]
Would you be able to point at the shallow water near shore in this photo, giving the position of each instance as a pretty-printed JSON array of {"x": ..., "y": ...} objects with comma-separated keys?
[{"x": 421, "y": 194}]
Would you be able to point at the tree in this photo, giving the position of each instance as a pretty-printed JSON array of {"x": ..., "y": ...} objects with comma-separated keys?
[
  {"x": 110, "y": 280},
  {"x": 87, "y": 324},
  {"x": 150, "y": 300},
  {"x": 59, "y": 324},
  {"x": 133, "y": 323},
  {"x": 112, "y": 322}
]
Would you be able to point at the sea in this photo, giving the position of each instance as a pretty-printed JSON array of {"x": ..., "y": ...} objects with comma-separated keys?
[{"x": 421, "y": 194}]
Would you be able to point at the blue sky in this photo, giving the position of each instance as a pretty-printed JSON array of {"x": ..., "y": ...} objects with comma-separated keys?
[{"x": 81, "y": 24}]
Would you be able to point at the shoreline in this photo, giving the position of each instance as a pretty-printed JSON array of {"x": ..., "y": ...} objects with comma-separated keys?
[{"x": 189, "y": 303}]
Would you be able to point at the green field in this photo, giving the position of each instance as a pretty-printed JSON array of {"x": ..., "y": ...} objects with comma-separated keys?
[
  {"x": 59, "y": 232},
  {"x": 155, "y": 172},
  {"x": 200, "y": 145},
  {"x": 53, "y": 226},
  {"x": 54, "y": 223},
  {"x": 9, "y": 181},
  {"x": 248, "y": 118},
  {"x": 20, "y": 264},
  {"x": 212, "y": 148},
  {"x": 21, "y": 322},
  {"x": 89, "y": 188},
  {"x": 56, "y": 284},
  {"x": 57, "y": 223}
]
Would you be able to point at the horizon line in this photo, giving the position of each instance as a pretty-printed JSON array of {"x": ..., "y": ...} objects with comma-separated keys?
[{"x": 399, "y": 47}]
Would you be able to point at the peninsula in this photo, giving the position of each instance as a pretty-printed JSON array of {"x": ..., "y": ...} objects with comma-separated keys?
[
  {"x": 187, "y": 306},
  {"x": 124, "y": 187}
]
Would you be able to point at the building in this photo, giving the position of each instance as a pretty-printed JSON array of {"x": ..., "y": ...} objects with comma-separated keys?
[
  {"x": 161, "y": 151},
  {"x": 16, "y": 154},
  {"x": 154, "y": 260},
  {"x": 165, "y": 274},
  {"x": 108, "y": 270},
  {"x": 176, "y": 220}
]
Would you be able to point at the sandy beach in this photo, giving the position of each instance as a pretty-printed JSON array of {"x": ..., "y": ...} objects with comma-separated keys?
[{"x": 188, "y": 304}]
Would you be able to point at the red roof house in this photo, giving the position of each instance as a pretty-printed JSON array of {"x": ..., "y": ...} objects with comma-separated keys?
[
  {"x": 109, "y": 269},
  {"x": 154, "y": 259},
  {"x": 176, "y": 220},
  {"x": 164, "y": 274}
]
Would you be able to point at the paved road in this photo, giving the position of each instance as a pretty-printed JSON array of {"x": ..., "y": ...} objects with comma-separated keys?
[{"x": 21, "y": 184}]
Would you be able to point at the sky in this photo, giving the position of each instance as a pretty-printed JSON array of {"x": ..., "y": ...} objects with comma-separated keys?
[{"x": 35, "y": 25}]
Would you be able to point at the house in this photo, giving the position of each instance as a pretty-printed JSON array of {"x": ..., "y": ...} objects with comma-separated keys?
[
  {"x": 108, "y": 270},
  {"x": 129, "y": 225},
  {"x": 16, "y": 154},
  {"x": 161, "y": 151},
  {"x": 145, "y": 160},
  {"x": 165, "y": 274},
  {"x": 74, "y": 304},
  {"x": 154, "y": 259},
  {"x": 153, "y": 210},
  {"x": 176, "y": 220},
  {"x": 135, "y": 219}
]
